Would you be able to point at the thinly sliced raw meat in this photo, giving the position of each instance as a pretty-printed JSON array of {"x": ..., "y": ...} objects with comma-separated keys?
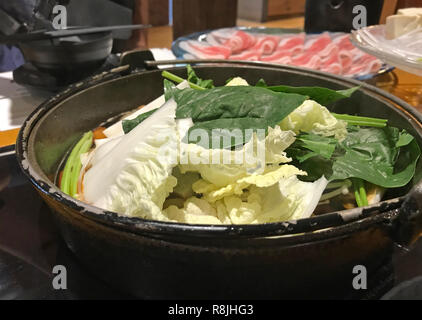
[
  {"x": 329, "y": 50},
  {"x": 266, "y": 44},
  {"x": 307, "y": 60},
  {"x": 317, "y": 43},
  {"x": 204, "y": 51},
  {"x": 334, "y": 68},
  {"x": 343, "y": 42},
  {"x": 289, "y": 46},
  {"x": 283, "y": 60},
  {"x": 333, "y": 57},
  {"x": 279, "y": 55},
  {"x": 373, "y": 64},
  {"x": 240, "y": 41},
  {"x": 366, "y": 66},
  {"x": 248, "y": 55},
  {"x": 289, "y": 42},
  {"x": 332, "y": 63},
  {"x": 346, "y": 59},
  {"x": 356, "y": 70},
  {"x": 357, "y": 54},
  {"x": 219, "y": 36}
]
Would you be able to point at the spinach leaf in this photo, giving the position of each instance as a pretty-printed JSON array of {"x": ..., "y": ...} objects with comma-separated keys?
[
  {"x": 404, "y": 139},
  {"x": 315, "y": 166},
  {"x": 261, "y": 83},
  {"x": 193, "y": 78},
  {"x": 169, "y": 89},
  {"x": 323, "y": 96},
  {"x": 238, "y": 107},
  {"x": 226, "y": 133},
  {"x": 129, "y": 125},
  {"x": 378, "y": 156},
  {"x": 235, "y": 102},
  {"x": 386, "y": 157},
  {"x": 312, "y": 144},
  {"x": 313, "y": 154}
]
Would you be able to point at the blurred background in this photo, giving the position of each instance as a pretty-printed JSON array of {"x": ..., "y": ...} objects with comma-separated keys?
[
  {"x": 171, "y": 19},
  {"x": 53, "y": 64}
]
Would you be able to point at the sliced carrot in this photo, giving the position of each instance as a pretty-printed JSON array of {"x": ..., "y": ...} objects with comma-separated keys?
[{"x": 99, "y": 133}]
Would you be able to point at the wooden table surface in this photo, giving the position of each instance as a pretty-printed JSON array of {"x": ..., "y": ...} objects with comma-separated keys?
[{"x": 400, "y": 83}]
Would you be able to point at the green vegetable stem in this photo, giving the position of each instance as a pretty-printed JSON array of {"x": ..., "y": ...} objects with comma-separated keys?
[
  {"x": 178, "y": 79},
  {"x": 69, "y": 183},
  {"x": 361, "y": 121},
  {"x": 360, "y": 192}
]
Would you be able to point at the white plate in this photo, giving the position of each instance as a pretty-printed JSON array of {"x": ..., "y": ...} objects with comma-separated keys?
[{"x": 404, "y": 52}]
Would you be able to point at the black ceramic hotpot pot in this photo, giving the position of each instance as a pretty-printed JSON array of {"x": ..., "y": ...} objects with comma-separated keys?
[{"x": 309, "y": 258}]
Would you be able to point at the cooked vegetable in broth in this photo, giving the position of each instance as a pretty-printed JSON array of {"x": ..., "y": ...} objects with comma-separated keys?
[{"x": 238, "y": 154}]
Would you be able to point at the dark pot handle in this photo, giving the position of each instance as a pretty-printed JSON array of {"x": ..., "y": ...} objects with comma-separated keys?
[
  {"x": 136, "y": 59},
  {"x": 408, "y": 225}
]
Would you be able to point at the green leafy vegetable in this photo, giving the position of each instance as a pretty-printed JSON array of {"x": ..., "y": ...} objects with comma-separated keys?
[
  {"x": 308, "y": 145},
  {"x": 238, "y": 107},
  {"x": 129, "y": 125},
  {"x": 261, "y": 83},
  {"x": 323, "y": 96},
  {"x": 169, "y": 87},
  {"x": 222, "y": 136},
  {"x": 386, "y": 157},
  {"x": 193, "y": 78},
  {"x": 404, "y": 139},
  {"x": 372, "y": 155},
  {"x": 235, "y": 102}
]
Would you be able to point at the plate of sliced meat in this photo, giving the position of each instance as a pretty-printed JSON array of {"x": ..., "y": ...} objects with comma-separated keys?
[{"x": 331, "y": 52}]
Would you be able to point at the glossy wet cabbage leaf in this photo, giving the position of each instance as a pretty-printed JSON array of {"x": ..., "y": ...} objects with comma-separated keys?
[
  {"x": 135, "y": 177},
  {"x": 311, "y": 117}
]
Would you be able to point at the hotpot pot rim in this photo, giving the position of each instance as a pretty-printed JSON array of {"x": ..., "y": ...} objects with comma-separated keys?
[{"x": 301, "y": 230}]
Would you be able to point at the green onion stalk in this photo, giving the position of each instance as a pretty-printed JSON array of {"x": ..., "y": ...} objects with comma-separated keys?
[{"x": 178, "y": 79}]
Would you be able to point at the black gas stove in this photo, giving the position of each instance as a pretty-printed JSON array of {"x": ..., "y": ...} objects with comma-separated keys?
[
  {"x": 29, "y": 75},
  {"x": 56, "y": 80},
  {"x": 30, "y": 247}
]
